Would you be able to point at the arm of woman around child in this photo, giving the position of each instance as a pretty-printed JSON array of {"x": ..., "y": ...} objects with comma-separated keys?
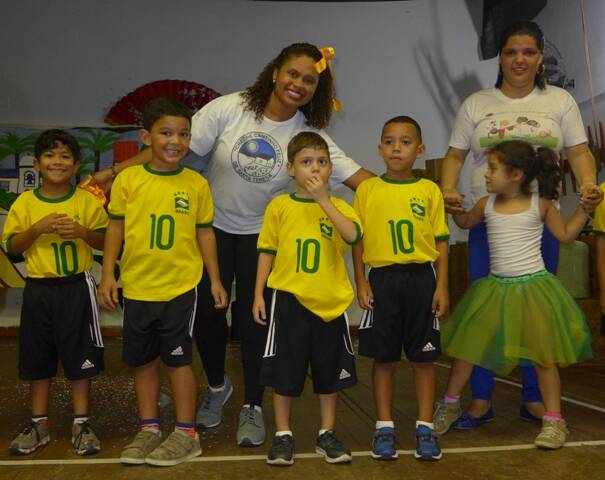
[
  {"x": 564, "y": 231},
  {"x": 473, "y": 217}
]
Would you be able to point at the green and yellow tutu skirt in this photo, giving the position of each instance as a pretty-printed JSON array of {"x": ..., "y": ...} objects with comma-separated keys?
[{"x": 502, "y": 322}]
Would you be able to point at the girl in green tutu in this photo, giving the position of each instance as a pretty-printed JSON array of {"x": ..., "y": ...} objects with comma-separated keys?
[{"x": 519, "y": 312}]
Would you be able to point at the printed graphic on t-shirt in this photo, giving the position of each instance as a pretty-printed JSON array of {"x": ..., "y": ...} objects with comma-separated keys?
[
  {"x": 512, "y": 126},
  {"x": 257, "y": 157}
]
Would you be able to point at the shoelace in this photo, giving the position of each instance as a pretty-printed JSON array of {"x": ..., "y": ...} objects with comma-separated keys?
[
  {"x": 85, "y": 429},
  {"x": 250, "y": 413},
  {"x": 384, "y": 437},
  {"x": 28, "y": 429},
  {"x": 332, "y": 441}
]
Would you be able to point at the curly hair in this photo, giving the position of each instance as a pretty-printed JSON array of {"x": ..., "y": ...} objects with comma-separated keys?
[
  {"x": 530, "y": 29},
  {"x": 318, "y": 111},
  {"x": 541, "y": 164}
]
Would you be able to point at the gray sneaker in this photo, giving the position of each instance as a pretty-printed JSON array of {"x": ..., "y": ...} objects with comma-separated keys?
[
  {"x": 177, "y": 448},
  {"x": 210, "y": 413},
  {"x": 553, "y": 434},
  {"x": 33, "y": 436},
  {"x": 84, "y": 440},
  {"x": 445, "y": 415},
  {"x": 251, "y": 430},
  {"x": 143, "y": 444}
]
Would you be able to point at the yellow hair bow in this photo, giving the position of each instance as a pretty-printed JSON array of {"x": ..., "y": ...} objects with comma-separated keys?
[{"x": 327, "y": 54}]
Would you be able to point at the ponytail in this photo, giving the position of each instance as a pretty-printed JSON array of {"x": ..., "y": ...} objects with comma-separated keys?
[{"x": 549, "y": 173}]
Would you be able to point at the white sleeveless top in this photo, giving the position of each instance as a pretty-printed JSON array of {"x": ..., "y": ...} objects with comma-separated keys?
[{"x": 515, "y": 239}]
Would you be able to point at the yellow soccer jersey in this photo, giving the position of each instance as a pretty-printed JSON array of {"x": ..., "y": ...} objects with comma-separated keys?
[
  {"x": 161, "y": 213},
  {"x": 308, "y": 253},
  {"x": 401, "y": 220},
  {"x": 50, "y": 255},
  {"x": 598, "y": 225}
]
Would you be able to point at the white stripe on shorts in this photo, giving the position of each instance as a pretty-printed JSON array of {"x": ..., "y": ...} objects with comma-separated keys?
[
  {"x": 270, "y": 345},
  {"x": 95, "y": 327},
  {"x": 192, "y": 318},
  {"x": 367, "y": 320},
  {"x": 347, "y": 336}
]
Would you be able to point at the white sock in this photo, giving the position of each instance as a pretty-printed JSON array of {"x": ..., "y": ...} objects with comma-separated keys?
[
  {"x": 281, "y": 433},
  {"x": 81, "y": 420},
  {"x": 384, "y": 423},
  {"x": 322, "y": 431},
  {"x": 426, "y": 424}
]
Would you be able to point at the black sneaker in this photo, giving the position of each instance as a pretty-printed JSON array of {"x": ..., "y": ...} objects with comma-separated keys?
[
  {"x": 282, "y": 451},
  {"x": 332, "y": 449}
]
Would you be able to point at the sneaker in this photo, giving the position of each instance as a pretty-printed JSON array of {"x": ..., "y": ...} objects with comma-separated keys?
[
  {"x": 282, "y": 451},
  {"x": 251, "y": 430},
  {"x": 33, "y": 436},
  {"x": 332, "y": 449},
  {"x": 84, "y": 439},
  {"x": 553, "y": 434},
  {"x": 427, "y": 445},
  {"x": 210, "y": 413},
  {"x": 143, "y": 444},
  {"x": 383, "y": 444},
  {"x": 177, "y": 448},
  {"x": 446, "y": 414},
  {"x": 468, "y": 422}
]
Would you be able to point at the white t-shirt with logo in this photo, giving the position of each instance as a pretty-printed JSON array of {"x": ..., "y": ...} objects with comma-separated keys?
[
  {"x": 247, "y": 166},
  {"x": 548, "y": 118}
]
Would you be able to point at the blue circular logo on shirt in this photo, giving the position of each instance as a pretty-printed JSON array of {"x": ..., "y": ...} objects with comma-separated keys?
[{"x": 257, "y": 157}]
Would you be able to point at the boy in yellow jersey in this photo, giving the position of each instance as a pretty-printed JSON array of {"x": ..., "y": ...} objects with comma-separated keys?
[
  {"x": 598, "y": 227},
  {"x": 405, "y": 244},
  {"x": 163, "y": 213},
  {"x": 300, "y": 247},
  {"x": 55, "y": 226}
]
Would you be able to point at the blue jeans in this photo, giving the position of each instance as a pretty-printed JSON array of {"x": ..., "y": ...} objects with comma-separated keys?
[{"x": 482, "y": 380}]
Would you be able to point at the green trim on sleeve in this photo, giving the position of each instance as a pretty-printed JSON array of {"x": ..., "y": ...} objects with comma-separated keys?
[
  {"x": 266, "y": 250},
  {"x": 357, "y": 237},
  {"x": 203, "y": 225},
  {"x": 599, "y": 232},
  {"x": 9, "y": 245},
  {"x": 116, "y": 217},
  {"x": 100, "y": 230},
  {"x": 442, "y": 238}
]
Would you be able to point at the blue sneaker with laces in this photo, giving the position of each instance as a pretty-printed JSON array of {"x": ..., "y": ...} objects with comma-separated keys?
[
  {"x": 383, "y": 445},
  {"x": 427, "y": 445}
]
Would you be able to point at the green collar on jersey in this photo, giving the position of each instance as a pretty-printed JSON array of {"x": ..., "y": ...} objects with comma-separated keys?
[
  {"x": 297, "y": 198},
  {"x": 159, "y": 172},
  {"x": 39, "y": 196},
  {"x": 384, "y": 178}
]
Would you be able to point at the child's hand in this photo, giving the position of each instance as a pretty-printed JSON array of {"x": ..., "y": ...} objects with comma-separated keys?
[
  {"x": 67, "y": 228},
  {"x": 258, "y": 310},
  {"x": 591, "y": 195},
  {"x": 453, "y": 201},
  {"x": 219, "y": 294},
  {"x": 441, "y": 302},
  {"x": 107, "y": 293},
  {"x": 365, "y": 296},
  {"x": 49, "y": 223},
  {"x": 317, "y": 188}
]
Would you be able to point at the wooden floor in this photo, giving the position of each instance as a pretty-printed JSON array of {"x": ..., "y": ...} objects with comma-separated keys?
[{"x": 499, "y": 450}]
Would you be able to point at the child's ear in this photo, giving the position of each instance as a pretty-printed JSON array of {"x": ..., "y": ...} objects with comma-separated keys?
[
  {"x": 77, "y": 166},
  {"x": 290, "y": 168},
  {"x": 421, "y": 150},
  {"x": 37, "y": 164},
  {"x": 145, "y": 137}
]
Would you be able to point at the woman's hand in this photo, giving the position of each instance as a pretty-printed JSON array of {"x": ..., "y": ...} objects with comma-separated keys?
[{"x": 453, "y": 201}]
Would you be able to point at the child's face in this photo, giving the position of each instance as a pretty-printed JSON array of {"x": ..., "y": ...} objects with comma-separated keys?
[
  {"x": 399, "y": 147},
  {"x": 57, "y": 165},
  {"x": 295, "y": 82},
  {"x": 498, "y": 177},
  {"x": 310, "y": 162},
  {"x": 169, "y": 141}
]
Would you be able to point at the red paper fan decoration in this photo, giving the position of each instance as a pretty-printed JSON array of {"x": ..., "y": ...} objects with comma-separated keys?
[{"x": 129, "y": 109}]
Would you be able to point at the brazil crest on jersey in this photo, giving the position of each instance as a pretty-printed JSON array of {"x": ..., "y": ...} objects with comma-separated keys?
[
  {"x": 401, "y": 219},
  {"x": 161, "y": 213},
  {"x": 308, "y": 253},
  {"x": 50, "y": 255}
]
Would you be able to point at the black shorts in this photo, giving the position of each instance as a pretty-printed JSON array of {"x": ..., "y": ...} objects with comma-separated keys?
[
  {"x": 402, "y": 315},
  {"x": 60, "y": 321},
  {"x": 297, "y": 337},
  {"x": 163, "y": 329}
]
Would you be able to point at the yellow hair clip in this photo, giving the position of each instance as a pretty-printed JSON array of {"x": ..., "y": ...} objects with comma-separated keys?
[{"x": 327, "y": 53}]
